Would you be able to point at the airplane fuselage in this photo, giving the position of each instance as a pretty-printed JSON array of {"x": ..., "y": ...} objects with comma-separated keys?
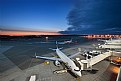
[{"x": 69, "y": 63}]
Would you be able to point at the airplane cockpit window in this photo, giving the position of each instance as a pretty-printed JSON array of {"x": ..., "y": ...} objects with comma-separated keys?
[{"x": 76, "y": 69}]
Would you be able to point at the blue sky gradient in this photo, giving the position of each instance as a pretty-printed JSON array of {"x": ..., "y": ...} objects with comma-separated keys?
[{"x": 35, "y": 15}]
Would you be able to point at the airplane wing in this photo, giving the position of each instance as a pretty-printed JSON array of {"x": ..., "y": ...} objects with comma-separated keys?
[
  {"x": 49, "y": 58},
  {"x": 61, "y": 42},
  {"x": 71, "y": 56}
]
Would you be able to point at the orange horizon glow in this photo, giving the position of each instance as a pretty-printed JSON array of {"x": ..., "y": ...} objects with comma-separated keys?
[{"x": 22, "y": 33}]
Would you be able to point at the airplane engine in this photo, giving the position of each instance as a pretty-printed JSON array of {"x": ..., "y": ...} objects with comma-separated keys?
[
  {"x": 57, "y": 63},
  {"x": 100, "y": 46}
]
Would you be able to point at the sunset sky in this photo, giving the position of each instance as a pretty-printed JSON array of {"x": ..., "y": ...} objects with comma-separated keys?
[
  {"x": 67, "y": 16},
  {"x": 21, "y": 33},
  {"x": 34, "y": 15}
]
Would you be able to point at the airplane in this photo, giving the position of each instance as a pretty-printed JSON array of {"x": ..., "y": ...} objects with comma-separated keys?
[
  {"x": 66, "y": 42},
  {"x": 110, "y": 44},
  {"x": 104, "y": 46},
  {"x": 69, "y": 41},
  {"x": 112, "y": 41},
  {"x": 69, "y": 63}
]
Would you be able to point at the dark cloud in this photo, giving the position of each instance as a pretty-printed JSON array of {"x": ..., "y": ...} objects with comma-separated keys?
[{"x": 102, "y": 16}]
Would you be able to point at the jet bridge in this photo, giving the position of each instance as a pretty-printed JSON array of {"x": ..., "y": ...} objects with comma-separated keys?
[
  {"x": 99, "y": 58},
  {"x": 85, "y": 64}
]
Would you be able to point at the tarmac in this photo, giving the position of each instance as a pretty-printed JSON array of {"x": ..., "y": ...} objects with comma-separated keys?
[{"x": 14, "y": 67}]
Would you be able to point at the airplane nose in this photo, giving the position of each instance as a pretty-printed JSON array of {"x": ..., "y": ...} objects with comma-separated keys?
[{"x": 79, "y": 74}]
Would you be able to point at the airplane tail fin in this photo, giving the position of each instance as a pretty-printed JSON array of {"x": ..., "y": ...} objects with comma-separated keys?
[
  {"x": 57, "y": 44},
  {"x": 56, "y": 47},
  {"x": 35, "y": 55},
  {"x": 71, "y": 40}
]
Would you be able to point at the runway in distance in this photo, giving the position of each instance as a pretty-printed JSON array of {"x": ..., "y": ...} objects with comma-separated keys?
[{"x": 69, "y": 63}]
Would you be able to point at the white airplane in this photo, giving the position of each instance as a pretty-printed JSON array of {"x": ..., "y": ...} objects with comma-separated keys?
[
  {"x": 69, "y": 41},
  {"x": 109, "y": 46},
  {"x": 66, "y": 60},
  {"x": 66, "y": 42},
  {"x": 112, "y": 41}
]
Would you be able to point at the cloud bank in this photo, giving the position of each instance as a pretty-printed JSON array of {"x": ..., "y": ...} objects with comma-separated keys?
[{"x": 95, "y": 16}]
